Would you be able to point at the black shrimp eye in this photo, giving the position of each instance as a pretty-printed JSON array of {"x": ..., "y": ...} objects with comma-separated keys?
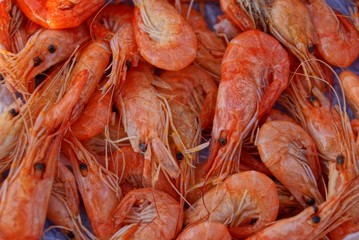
[
  {"x": 179, "y": 156},
  {"x": 37, "y": 61},
  {"x": 13, "y": 112},
  {"x": 39, "y": 166},
  {"x": 340, "y": 159},
  {"x": 222, "y": 142},
  {"x": 315, "y": 219},
  {"x": 142, "y": 147},
  {"x": 71, "y": 235},
  {"x": 128, "y": 64},
  {"x": 1, "y": 77},
  {"x": 51, "y": 48},
  {"x": 83, "y": 166},
  {"x": 312, "y": 98},
  {"x": 309, "y": 200},
  {"x": 310, "y": 48}
]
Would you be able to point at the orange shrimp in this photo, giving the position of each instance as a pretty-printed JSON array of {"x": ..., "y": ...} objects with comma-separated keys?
[
  {"x": 245, "y": 202},
  {"x": 290, "y": 154},
  {"x": 336, "y": 34},
  {"x": 93, "y": 118},
  {"x": 288, "y": 205},
  {"x": 350, "y": 85},
  {"x": 59, "y": 14},
  {"x": 163, "y": 36},
  {"x": 44, "y": 49},
  {"x": 63, "y": 209},
  {"x": 144, "y": 119},
  {"x": 205, "y": 231},
  {"x": 114, "y": 22},
  {"x": 5, "y": 7},
  {"x": 18, "y": 31},
  {"x": 275, "y": 114},
  {"x": 255, "y": 71},
  {"x": 210, "y": 47},
  {"x": 97, "y": 186},
  {"x": 26, "y": 191},
  {"x": 153, "y": 214},
  {"x": 316, "y": 221},
  {"x": 238, "y": 14}
]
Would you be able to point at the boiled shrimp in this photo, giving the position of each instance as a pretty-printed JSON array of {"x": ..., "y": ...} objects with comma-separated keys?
[
  {"x": 63, "y": 209},
  {"x": 205, "y": 231},
  {"x": 238, "y": 14},
  {"x": 57, "y": 14},
  {"x": 44, "y": 49},
  {"x": 290, "y": 154},
  {"x": 5, "y": 7},
  {"x": 97, "y": 185},
  {"x": 336, "y": 34},
  {"x": 152, "y": 213},
  {"x": 248, "y": 89},
  {"x": 236, "y": 202},
  {"x": 114, "y": 23},
  {"x": 26, "y": 191},
  {"x": 163, "y": 36},
  {"x": 316, "y": 221},
  {"x": 144, "y": 119}
]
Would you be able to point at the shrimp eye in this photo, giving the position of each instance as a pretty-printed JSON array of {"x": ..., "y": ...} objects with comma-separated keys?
[
  {"x": 315, "y": 219},
  {"x": 179, "y": 156},
  {"x": 1, "y": 77},
  {"x": 51, "y": 48},
  {"x": 128, "y": 64},
  {"x": 142, "y": 147},
  {"x": 83, "y": 169},
  {"x": 310, "y": 48},
  {"x": 309, "y": 200},
  {"x": 222, "y": 142},
  {"x": 71, "y": 235},
  {"x": 39, "y": 167},
  {"x": 37, "y": 61},
  {"x": 340, "y": 159},
  {"x": 312, "y": 98},
  {"x": 13, "y": 112}
]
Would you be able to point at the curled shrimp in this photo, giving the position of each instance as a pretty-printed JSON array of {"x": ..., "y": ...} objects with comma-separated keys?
[
  {"x": 336, "y": 34},
  {"x": 163, "y": 36},
  {"x": 245, "y": 202},
  {"x": 97, "y": 186},
  {"x": 153, "y": 214},
  {"x": 205, "y": 231},
  {"x": 44, "y": 49},
  {"x": 290, "y": 154},
  {"x": 248, "y": 89},
  {"x": 144, "y": 119},
  {"x": 93, "y": 118},
  {"x": 26, "y": 191},
  {"x": 238, "y": 14},
  {"x": 350, "y": 84},
  {"x": 58, "y": 14}
]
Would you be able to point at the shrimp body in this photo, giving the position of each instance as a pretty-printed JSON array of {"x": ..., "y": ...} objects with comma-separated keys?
[
  {"x": 58, "y": 14},
  {"x": 25, "y": 195},
  {"x": 155, "y": 213},
  {"x": 350, "y": 84},
  {"x": 93, "y": 118},
  {"x": 5, "y": 7},
  {"x": 290, "y": 154},
  {"x": 248, "y": 89},
  {"x": 336, "y": 34},
  {"x": 44, "y": 49},
  {"x": 236, "y": 201},
  {"x": 237, "y": 15},
  {"x": 205, "y": 231},
  {"x": 163, "y": 36}
]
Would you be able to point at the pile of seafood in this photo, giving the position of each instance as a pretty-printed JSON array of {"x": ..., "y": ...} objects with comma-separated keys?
[{"x": 154, "y": 126}]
